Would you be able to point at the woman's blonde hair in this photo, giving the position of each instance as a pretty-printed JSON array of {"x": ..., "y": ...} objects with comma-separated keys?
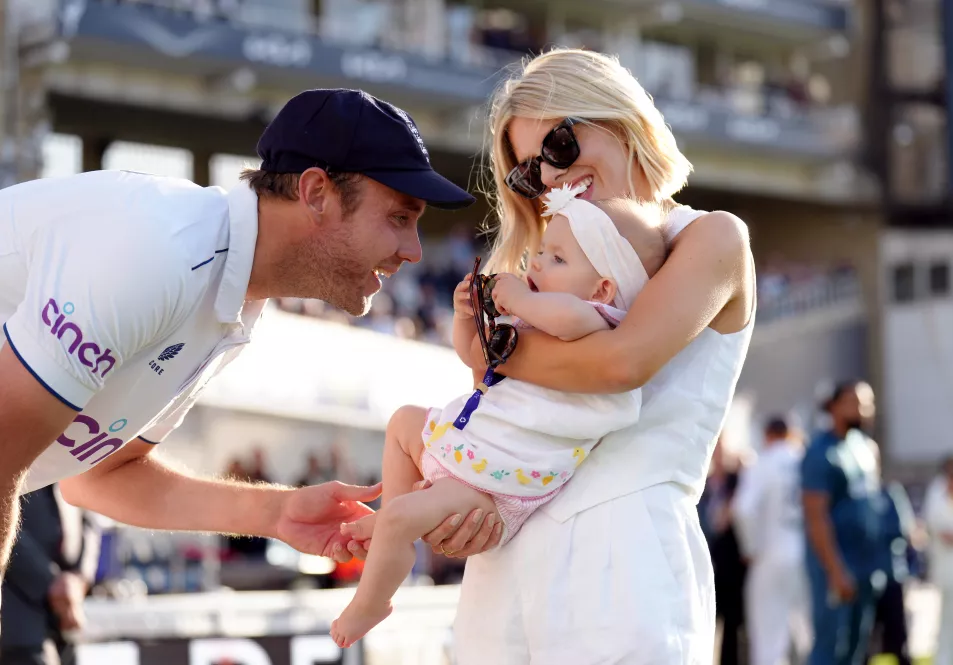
[{"x": 581, "y": 84}]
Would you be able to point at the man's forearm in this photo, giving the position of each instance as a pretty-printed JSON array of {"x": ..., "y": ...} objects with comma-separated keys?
[
  {"x": 146, "y": 493},
  {"x": 820, "y": 536},
  {"x": 9, "y": 520}
]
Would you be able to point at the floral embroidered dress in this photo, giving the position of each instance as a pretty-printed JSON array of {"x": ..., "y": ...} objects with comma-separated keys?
[{"x": 522, "y": 441}]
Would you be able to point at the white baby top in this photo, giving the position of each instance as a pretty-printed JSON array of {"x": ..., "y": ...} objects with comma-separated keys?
[{"x": 520, "y": 439}]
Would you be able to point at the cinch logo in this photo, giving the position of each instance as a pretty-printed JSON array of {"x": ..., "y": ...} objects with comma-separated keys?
[
  {"x": 97, "y": 443},
  {"x": 88, "y": 353}
]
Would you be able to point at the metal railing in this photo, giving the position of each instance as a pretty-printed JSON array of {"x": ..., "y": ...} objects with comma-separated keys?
[{"x": 812, "y": 295}]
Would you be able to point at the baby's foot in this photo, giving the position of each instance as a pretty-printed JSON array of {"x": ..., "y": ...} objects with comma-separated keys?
[
  {"x": 360, "y": 530},
  {"x": 355, "y": 622}
]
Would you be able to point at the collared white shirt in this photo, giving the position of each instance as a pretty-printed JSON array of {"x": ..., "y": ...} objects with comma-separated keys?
[
  {"x": 767, "y": 511},
  {"x": 123, "y": 294}
]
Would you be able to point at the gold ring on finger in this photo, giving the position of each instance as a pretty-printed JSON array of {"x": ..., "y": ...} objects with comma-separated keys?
[{"x": 443, "y": 548}]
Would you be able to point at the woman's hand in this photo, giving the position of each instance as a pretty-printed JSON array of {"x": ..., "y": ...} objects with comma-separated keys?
[
  {"x": 508, "y": 291},
  {"x": 462, "y": 536},
  {"x": 461, "y": 298}
]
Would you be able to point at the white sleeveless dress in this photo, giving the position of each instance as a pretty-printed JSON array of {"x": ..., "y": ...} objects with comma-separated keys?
[{"x": 616, "y": 568}]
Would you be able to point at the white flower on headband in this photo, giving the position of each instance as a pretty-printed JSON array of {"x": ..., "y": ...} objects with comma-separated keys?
[{"x": 557, "y": 199}]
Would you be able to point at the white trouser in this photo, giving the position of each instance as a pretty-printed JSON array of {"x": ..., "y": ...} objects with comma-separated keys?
[
  {"x": 628, "y": 582},
  {"x": 944, "y": 646},
  {"x": 777, "y": 606}
]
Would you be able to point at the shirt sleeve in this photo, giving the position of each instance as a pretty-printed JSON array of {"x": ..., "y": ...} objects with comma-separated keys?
[
  {"x": 816, "y": 470},
  {"x": 163, "y": 427},
  {"x": 93, "y": 301}
]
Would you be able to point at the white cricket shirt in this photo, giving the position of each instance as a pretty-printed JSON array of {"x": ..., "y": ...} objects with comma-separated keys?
[{"x": 123, "y": 294}]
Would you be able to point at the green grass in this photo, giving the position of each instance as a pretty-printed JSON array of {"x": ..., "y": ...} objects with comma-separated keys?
[{"x": 890, "y": 660}]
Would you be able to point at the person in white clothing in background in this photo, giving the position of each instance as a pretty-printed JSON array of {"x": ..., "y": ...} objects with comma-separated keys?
[
  {"x": 769, "y": 522},
  {"x": 938, "y": 515}
]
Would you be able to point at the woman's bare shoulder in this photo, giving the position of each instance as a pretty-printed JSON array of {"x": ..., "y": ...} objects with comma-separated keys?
[
  {"x": 718, "y": 245},
  {"x": 719, "y": 230}
]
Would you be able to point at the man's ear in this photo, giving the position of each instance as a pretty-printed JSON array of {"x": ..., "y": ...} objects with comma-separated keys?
[
  {"x": 314, "y": 188},
  {"x": 605, "y": 291}
]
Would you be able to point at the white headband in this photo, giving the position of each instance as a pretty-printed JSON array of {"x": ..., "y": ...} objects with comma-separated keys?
[{"x": 610, "y": 254}]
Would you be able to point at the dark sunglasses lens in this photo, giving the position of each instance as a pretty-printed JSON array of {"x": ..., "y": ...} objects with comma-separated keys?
[
  {"x": 560, "y": 148},
  {"x": 525, "y": 180},
  {"x": 503, "y": 341}
]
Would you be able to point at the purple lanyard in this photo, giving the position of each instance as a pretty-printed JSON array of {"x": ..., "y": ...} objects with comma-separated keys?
[{"x": 490, "y": 379}]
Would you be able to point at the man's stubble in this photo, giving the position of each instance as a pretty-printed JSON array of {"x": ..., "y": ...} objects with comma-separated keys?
[{"x": 328, "y": 267}]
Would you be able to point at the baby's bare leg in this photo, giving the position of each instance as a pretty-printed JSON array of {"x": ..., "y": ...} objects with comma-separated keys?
[
  {"x": 391, "y": 558},
  {"x": 403, "y": 446}
]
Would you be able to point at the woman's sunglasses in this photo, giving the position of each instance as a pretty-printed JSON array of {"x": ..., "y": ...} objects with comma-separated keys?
[
  {"x": 499, "y": 346},
  {"x": 560, "y": 150}
]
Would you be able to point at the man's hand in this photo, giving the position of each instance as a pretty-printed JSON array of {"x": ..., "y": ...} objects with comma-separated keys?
[
  {"x": 841, "y": 585},
  {"x": 66, "y": 600},
  {"x": 508, "y": 291},
  {"x": 311, "y": 518}
]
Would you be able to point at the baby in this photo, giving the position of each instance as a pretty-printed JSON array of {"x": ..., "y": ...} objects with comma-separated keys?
[{"x": 509, "y": 448}]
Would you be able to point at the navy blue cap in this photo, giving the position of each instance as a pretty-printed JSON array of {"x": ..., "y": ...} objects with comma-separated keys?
[{"x": 350, "y": 131}]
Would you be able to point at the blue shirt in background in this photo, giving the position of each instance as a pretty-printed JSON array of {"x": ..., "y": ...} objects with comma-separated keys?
[
  {"x": 897, "y": 522},
  {"x": 846, "y": 470}
]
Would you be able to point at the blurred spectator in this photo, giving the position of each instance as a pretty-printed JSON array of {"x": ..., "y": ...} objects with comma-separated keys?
[
  {"x": 938, "y": 514},
  {"x": 770, "y": 526},
  {"x": 897, "y": 536},
  {"x": 257, "y": 473},
  {"x": 248, "y": 547},
  {"x": 52, "y": 566},
  {"x": 235, "y": 469},
  {"x": 715, "y": 513},
  {"x": 341, "y": 467},
  {"x": 841, "y": 486},
  {"x": 316, "y": 473}
]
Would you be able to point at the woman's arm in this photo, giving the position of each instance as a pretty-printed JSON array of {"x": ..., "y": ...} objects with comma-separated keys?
[{"x": 707, "y": 278}]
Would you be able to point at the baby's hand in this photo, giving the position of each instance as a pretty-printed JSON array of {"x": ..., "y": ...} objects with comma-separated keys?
[
  {"x": 508, "y": 290},
  {"x": 461, "y": 298}
]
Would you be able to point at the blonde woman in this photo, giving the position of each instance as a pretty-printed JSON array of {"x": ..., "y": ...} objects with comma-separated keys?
[{"x": 615, "y": 569}]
